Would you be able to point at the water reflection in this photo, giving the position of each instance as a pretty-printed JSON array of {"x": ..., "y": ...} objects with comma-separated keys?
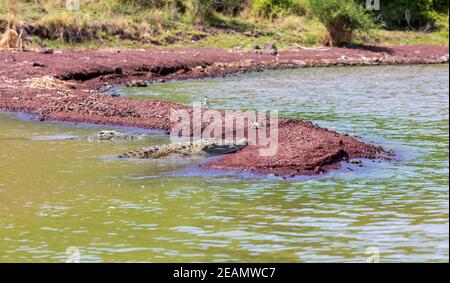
[{"x": 55, "y": 194}]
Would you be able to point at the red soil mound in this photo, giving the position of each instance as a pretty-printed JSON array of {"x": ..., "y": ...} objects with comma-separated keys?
[{"x": 303, "y": 147}]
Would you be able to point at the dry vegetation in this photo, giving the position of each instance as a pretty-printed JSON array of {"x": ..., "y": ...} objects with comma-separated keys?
[
  {"x": 47, "y": 82},
  {"x": 195, "y": 23},
  {"x": 10, "y": 38}
]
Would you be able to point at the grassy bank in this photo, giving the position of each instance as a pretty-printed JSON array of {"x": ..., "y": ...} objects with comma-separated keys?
[{"x": 193, "y": 23}]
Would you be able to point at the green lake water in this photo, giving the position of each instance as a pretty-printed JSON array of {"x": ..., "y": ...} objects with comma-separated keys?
[{"x": 56, "y": 194}]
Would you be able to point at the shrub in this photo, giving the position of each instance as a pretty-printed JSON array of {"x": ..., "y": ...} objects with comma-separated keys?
[
  {"x": 205, "y": 8},
  {"x": 411, "y": 13},
  {"x": 177, "y": 5},
  {"x": 146, "y": 3},
  {"x": 300, "y": 7},
  {"x": 11, "y": 39},
  {"x": 440, "y": 6},
  {"x": 342, "y": 18},
  {"x": 228, "y": 7},
  {"x": 266, "y": 8}
]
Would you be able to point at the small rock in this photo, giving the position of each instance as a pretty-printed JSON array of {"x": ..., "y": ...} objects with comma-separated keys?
[
  {"x": 118, "y": 71},
  {"x": 47, "y": 51},
  {"x": 170, "y": 39},
  {"x": 270, "y": 46},
  {"x": 319, "y": 170},
  {"x": 38, "y": 65},
  {"x": 137, "y": 84}
]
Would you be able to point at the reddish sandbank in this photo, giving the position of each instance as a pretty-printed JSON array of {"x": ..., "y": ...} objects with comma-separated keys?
[{"x": 304, "y": 149}]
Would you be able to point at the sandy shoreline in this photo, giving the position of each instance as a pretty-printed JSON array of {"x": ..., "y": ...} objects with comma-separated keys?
[{"x": 304, "y": 149}]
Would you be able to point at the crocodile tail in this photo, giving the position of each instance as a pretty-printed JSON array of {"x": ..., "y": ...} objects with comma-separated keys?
[{"x": 143, "y": 153}]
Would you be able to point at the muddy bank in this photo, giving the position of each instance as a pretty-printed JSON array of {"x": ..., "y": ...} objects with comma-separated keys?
[{"x": 65, "y": 86}]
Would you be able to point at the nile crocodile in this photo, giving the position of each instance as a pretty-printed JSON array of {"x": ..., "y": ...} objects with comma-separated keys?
[
  {"x": 109, "y": 136},
  {"x": 203, "y": 146}
]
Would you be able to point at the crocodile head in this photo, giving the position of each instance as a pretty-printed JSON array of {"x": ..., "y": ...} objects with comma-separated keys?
[
  {"x": 219, "y": 147},
  {"x": 108, "y": 135}
]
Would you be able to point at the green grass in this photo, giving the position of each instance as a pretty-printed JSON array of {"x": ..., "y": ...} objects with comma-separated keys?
[
  {"x": 109, "y": 23},
  {"x": 408, "y": 37},
  {"x": 437, "y": 36}
]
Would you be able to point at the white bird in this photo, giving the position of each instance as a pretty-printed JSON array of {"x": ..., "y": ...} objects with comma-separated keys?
[
  {"x": 259, "y": 125},
  {"x": 206, "y": 102}
]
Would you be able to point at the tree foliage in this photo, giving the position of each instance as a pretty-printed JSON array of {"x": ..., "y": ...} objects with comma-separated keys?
[
  {"x": 410, "y": 13},
  {"x": 342, "y": 18}
]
